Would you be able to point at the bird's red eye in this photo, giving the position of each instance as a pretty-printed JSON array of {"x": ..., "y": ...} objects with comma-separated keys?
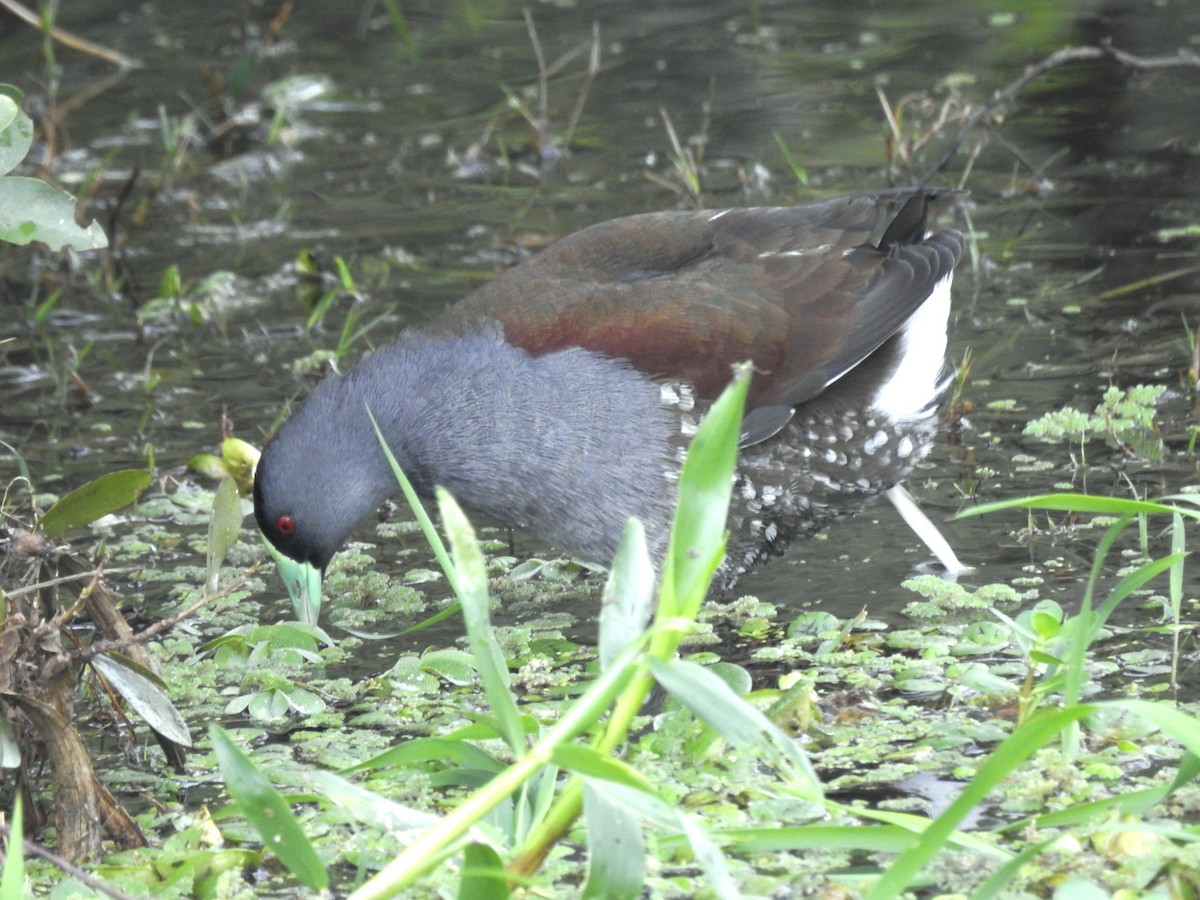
[{"x": 286, "y": 525}]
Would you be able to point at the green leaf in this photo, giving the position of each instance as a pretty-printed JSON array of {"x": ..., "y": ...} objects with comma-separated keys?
[
  {"x": 672, "y": 818},
  {"x": 1107, "y": 506},
  {"x": 10, "y": 750},
  {"x": 616, "y": 851},
  {"x": 12, "y": 879},
  {"x": 208, "y": 466},
  {"x": 367, "y": 806},
  {"x": 146, "y": 693},
  {"x": 483, "y": 875},
  {"x": 594, "y": 764},
  {"x": 743, "y": 725},
  {"x": 16, "y": 134},
  {"x": 31, "y": 210},
  {"x": 266, "y": 810},
  {"x": 705, "y": 484},
  {"x": 471, "y": 583},
  {"x": 414, "y": 753},
  {"x": 95, "y": 500},
  {"x": 453, "y": 665},
  {"x": 223, "y": 527},
  {"x": 628, "y": 599},
  {"x": 1014, "y": 750}
]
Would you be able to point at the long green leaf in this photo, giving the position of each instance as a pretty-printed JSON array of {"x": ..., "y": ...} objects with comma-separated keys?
[
  {"x": 413, "y": 753},
  {"x": 616, "y": 850},
  {"x": 95, "y": 500},
  {"x": 471, "y": 584},
  {"x": 1179, "y": 725},
  {"x": 16, "y": 134},
  {"x": 672, "y": 818},
  {"x": 266, "y": 810},
  {"x": 146, "y": 693},
  {"x": 705, "y": 484},
  {"x": 1011, "y": 752},
  {"x": 737, "y": 721},
  {"x": 594, "y": 764},
  {"x": 418, "y": 508},
  {"x": 628, "y": 599},
  {"x": 223, "y": 527},
  {"x": 31, "y": 210},
  {"x": 1108, "y": 506},
  {"x": 12, "y": 879},
  {"x": 483, "y": 875}
]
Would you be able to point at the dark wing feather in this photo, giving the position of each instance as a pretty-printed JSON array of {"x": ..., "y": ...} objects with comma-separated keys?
[{"x": 806, "y": 292}]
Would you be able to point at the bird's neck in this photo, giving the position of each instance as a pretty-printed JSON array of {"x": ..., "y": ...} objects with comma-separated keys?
[{"x": 567, "y": 445}]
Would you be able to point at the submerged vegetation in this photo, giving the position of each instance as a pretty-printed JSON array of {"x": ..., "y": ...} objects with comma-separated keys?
[{"x": 1033, "y": 737}]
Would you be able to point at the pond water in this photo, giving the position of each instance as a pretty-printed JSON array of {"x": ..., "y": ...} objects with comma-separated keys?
[{"x": 1064, "y": 293}]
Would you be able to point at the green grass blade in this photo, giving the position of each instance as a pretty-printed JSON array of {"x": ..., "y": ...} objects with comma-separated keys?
[
  {"x": 12, "y": 878},
  {"x": 483, "y": 875},
  {"x": 628, "y": 599},
  {"x": 267, "y": 812},
  {"x": 1108, "y": 506},
  {"x": 95, "y": 500},
  {"x": 1011, "y": 752},
  {"x": 223, "y": 528},
  {"x": 705, "y": 485},
  {"x": 616, "y": 851},
  {"x": 418, "y": 508},
  {"x": 737, "y": 721},
  {"x": 471, "y": 585}
]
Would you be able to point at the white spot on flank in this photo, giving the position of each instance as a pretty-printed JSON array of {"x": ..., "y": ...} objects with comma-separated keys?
[
  {"x": 905, "y": 448},
  {"x": 807, "y": 251},
  {"x": 874, "y": 442},
  {"x": 914, "y": 383}
]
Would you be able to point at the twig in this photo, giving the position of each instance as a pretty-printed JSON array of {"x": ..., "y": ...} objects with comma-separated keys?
[
  {"x": 592, "y": 70},
  {"x": 70, "y": 40},
  {"x": 32, "y": 849},
  {"x": 543, "y": 76},
  {"x": 63, "y": 579},
  {"x": 145, "y": 635},
  {"x": 1058, "y": 58},
  {"x": 161, "y": 625}
]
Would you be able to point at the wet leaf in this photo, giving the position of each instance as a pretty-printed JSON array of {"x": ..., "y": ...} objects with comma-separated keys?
[
  {"x": 417, "y": 752},
  {"x": 735, "y": 720},
  {"x": 240, "y": 459},
  {"x": 16, "y": 134},
  {"x": 705, "y": 484},
  {"x": 10, "y": 751},
  {"x": 95, "y": 500},
  {"x": 146, "y": 693},
  {"x": 223, "y": 527},
  {"x": 31, "y": 210},
  {"x": 12, "y": 879},
  {"x": 470, "y": 584},
  {"x": 266, "y": 810},
  {"x": 453, "y": 665},
  {"x": 628, "y": 600},
  {"x": 616, "y": 851},
  {"x": 208, "y": 466},
  {"x": 483, "y": 875}
]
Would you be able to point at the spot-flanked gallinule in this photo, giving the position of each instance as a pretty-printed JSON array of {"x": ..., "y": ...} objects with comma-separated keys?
[{"x": 558, "y": 397}]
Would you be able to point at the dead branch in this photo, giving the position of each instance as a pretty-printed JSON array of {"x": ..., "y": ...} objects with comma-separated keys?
[
  {"x": 1008, "y": 94},
  {"x": 70, "y": 40}
]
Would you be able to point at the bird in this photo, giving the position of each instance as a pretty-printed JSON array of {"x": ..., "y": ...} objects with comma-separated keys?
[{"x": 559, "y": 397}]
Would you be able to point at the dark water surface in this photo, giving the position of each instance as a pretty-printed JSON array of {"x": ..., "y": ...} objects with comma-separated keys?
[{"x": 369, "y": 171}]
